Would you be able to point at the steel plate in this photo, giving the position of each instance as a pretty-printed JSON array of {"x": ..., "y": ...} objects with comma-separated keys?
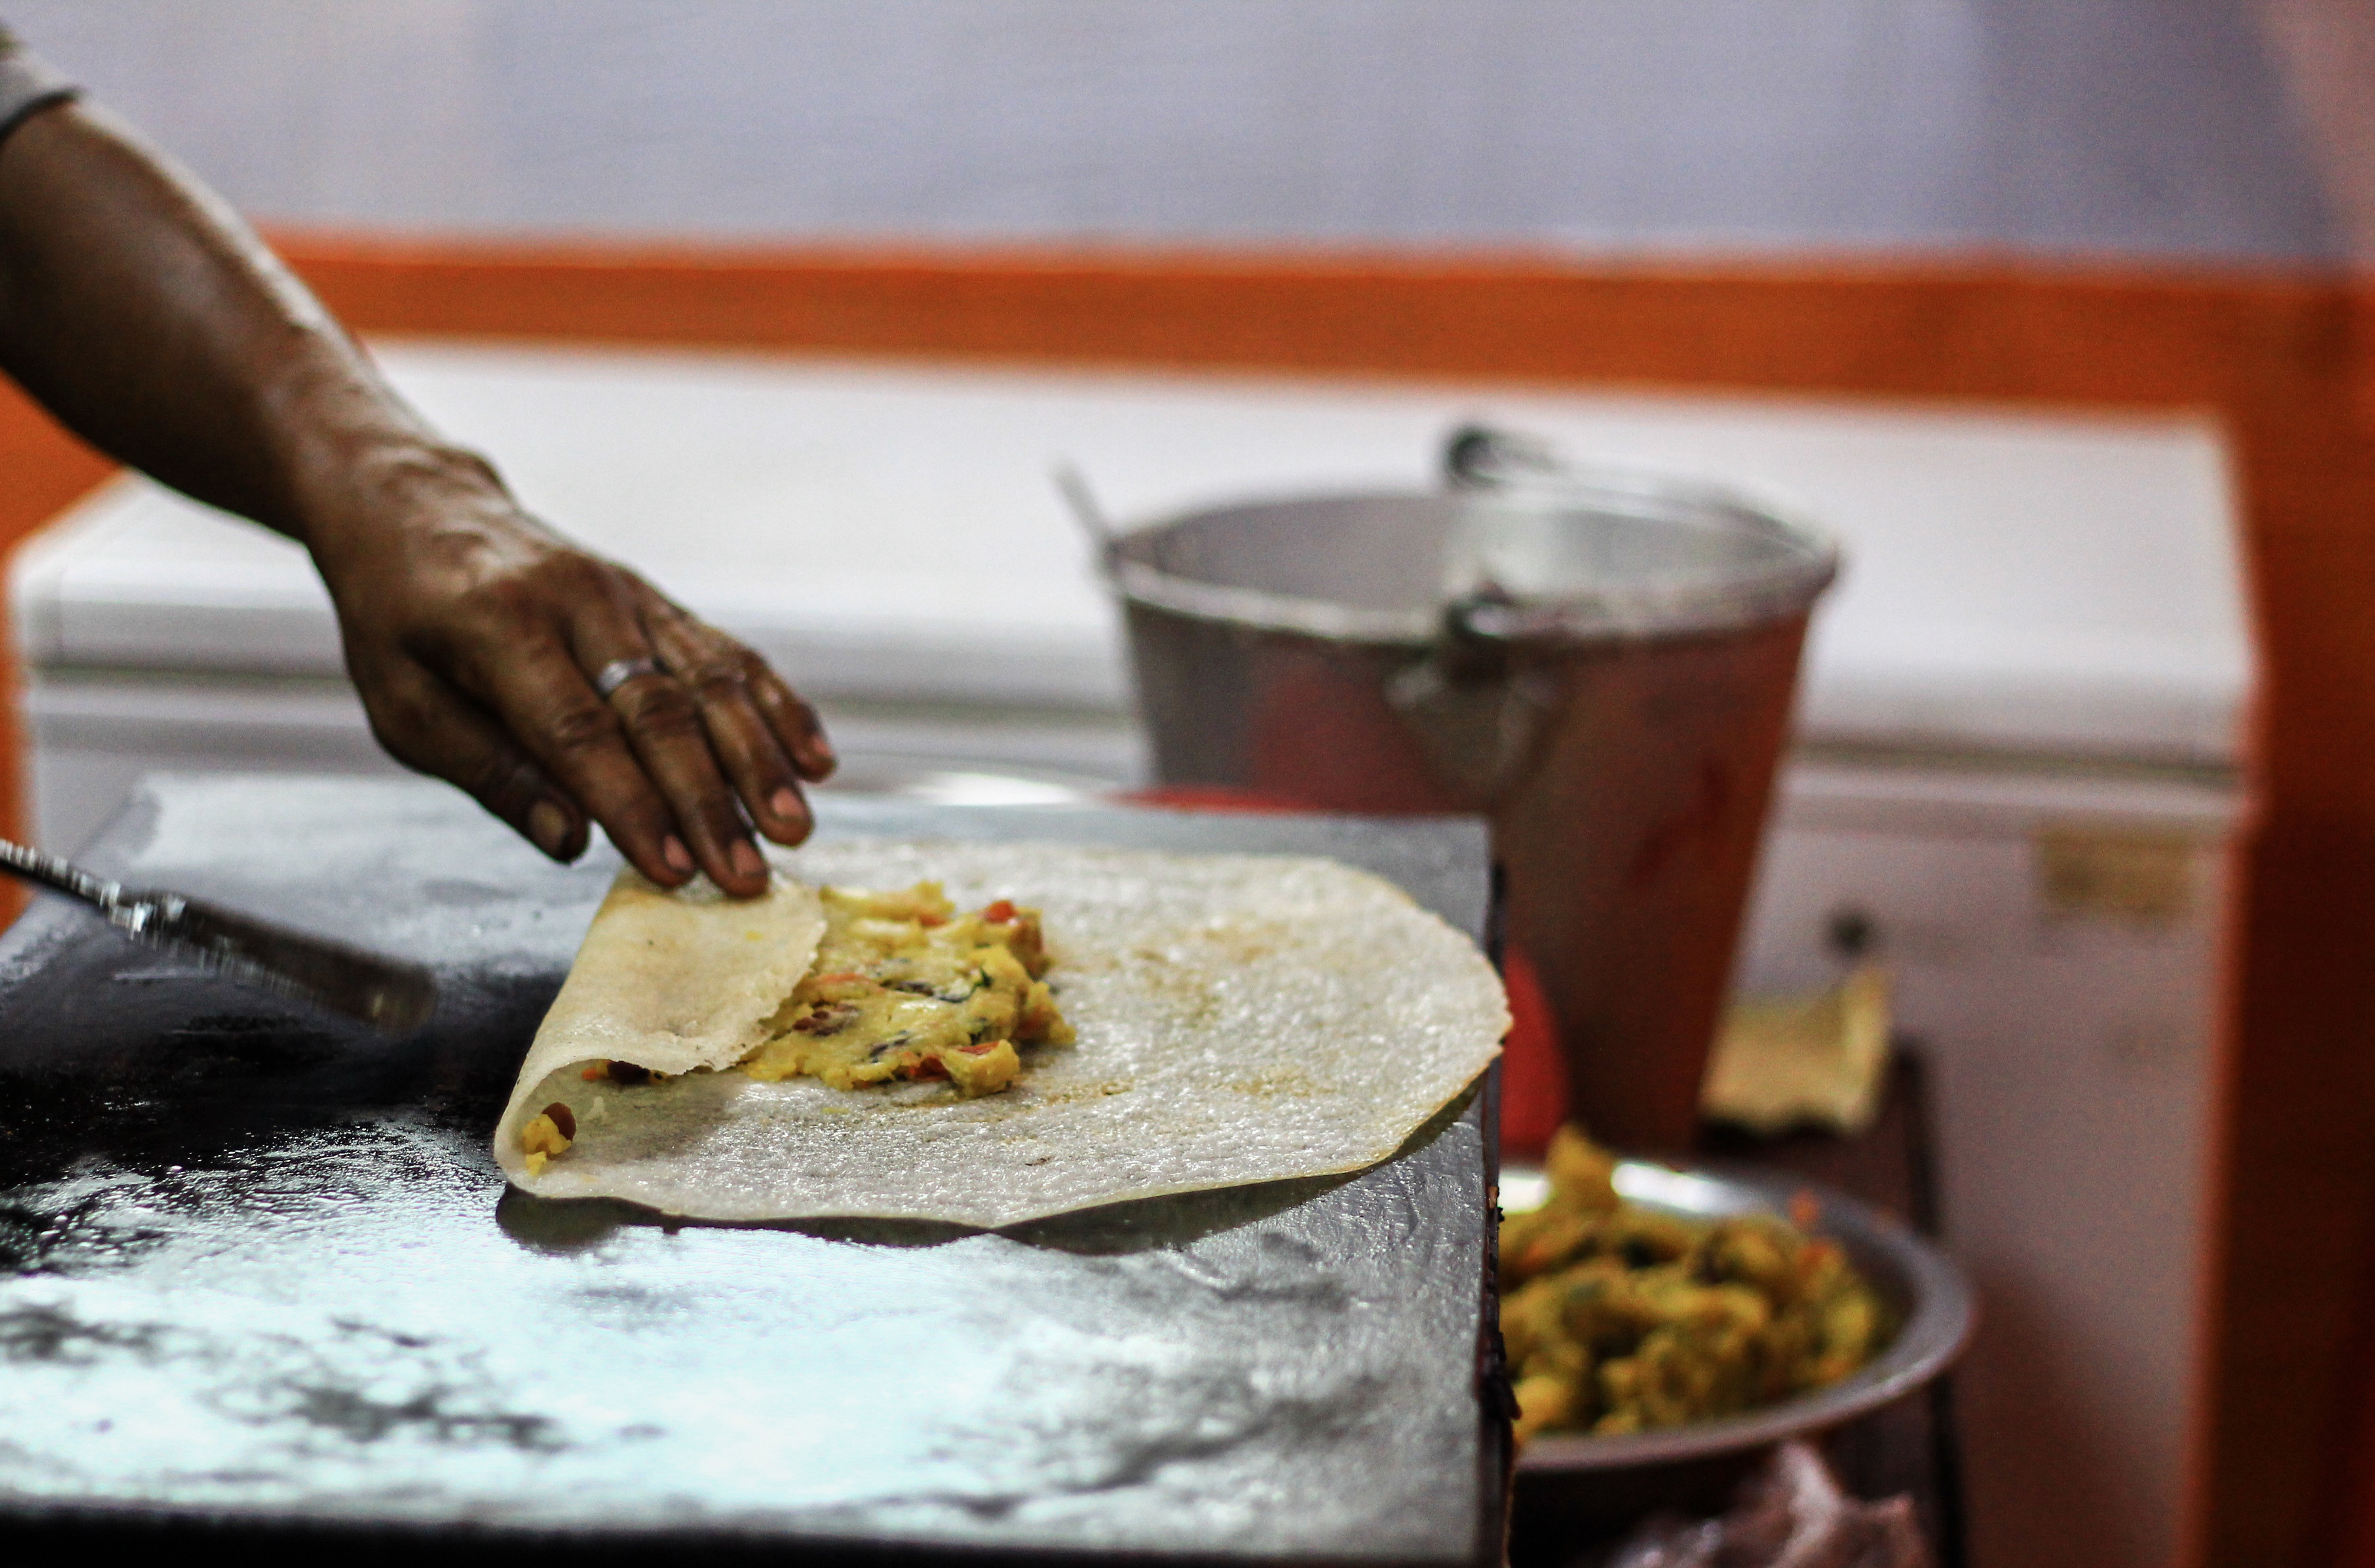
[{"x": 1925, "y": 1287}]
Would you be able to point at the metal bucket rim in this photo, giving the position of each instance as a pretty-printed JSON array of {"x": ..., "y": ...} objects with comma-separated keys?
[{"x": 1639, "y": 612}]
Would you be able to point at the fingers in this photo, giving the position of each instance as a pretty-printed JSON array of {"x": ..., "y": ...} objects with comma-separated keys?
[
  {"x": 734, "y": 692},
  {"x": 428, "y": 725},
  {"x": 670, "y": 760},
  {"x": 663, "y": 724},
  {"x": 795, "y": 724},
  {"x": 583, "y": 741},
  {"x": 639, "y": 762}
]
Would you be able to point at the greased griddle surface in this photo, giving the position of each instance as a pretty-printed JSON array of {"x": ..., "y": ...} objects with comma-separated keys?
[{"x": 260, "y": 1267}]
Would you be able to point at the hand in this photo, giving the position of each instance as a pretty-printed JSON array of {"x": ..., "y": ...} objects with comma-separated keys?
[{"x": 475, "y": 635}]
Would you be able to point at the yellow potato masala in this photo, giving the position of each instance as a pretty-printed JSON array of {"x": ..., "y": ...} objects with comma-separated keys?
[
  {"x": 1620, "y": 1318},
  {"x": 906, "y": 988}
]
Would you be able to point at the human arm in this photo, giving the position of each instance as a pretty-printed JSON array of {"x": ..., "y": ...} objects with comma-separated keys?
[{"x": 151, "y": 321}]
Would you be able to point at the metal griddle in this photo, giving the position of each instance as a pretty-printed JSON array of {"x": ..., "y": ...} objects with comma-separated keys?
[{"x": 261, "y": 1284}]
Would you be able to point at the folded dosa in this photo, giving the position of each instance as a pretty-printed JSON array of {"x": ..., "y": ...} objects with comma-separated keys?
[{"x": 1239, "y": 1018}]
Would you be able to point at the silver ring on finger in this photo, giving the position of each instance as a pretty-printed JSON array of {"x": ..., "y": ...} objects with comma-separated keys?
[{"x": 617, "y": 672}]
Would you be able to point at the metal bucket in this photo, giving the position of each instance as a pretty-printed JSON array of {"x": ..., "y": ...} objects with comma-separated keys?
[{"x": 1601, "y": 662}]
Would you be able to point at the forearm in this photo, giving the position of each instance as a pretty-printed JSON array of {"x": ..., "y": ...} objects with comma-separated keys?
[
  {"x": 552, "y": 685},
  {"x": 149, "y": 319}
]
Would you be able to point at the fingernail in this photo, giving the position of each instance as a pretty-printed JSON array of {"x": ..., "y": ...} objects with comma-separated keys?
[
  {"x": 547, "y": 824},
  {"x": 744, "y": 857},
  {"x": 785, "y": 803},
  {"x": 672, "y": 850}
]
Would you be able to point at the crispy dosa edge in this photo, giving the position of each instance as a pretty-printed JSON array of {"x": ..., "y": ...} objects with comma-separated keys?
[{"x": 668, "y": 981}]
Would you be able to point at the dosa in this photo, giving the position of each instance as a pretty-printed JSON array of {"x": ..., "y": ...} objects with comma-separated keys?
[{"x": 1239, "y": 1018}]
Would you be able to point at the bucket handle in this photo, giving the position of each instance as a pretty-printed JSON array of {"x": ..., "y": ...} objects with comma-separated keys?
[
  {"x": 1074, "y": 488},
  {"x": 1479, "y": 457}
]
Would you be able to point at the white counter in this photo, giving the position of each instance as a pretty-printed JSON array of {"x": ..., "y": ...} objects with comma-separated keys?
[{"x": 2052, "y": 587}]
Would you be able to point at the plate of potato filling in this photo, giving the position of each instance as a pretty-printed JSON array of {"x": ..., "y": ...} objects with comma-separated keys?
[{"x": 1652, "y": 1314}]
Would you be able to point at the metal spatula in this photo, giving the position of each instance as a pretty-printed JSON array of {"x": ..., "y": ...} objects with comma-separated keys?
[{"x": 393, "y": 997}]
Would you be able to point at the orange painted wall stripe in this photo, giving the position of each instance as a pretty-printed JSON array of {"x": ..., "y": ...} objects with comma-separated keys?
[{"x": 1957, "y": 329}]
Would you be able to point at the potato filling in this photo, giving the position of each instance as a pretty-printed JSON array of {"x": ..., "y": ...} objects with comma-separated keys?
[
  {"x": 547, "y": 1135},
  {"x": 906, "y": 988},
  {"x": 1622, "y": 1318},
  {"x": 903, "y": 988}
]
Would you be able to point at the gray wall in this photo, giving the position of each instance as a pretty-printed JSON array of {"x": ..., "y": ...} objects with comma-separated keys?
[{"x": 2149, "y": 128}]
